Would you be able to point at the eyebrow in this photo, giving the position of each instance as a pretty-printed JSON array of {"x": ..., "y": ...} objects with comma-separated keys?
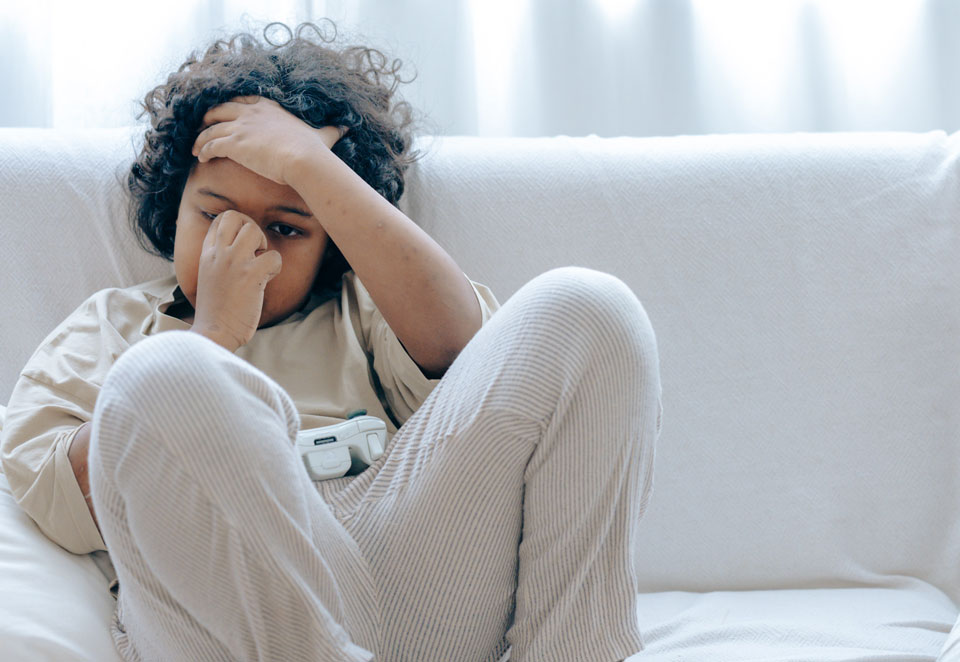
[{"x": 291, "y": 210}]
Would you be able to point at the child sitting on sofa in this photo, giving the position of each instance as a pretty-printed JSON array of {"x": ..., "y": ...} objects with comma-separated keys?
[{"x": 504, "y": 509}]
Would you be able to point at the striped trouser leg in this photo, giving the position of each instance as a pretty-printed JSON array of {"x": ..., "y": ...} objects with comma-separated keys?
[
  {"x": 223, "y": 549},
  {"x": 506, "y": 510}
]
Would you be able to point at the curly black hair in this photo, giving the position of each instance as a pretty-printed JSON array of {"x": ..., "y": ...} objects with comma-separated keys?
[{"x": 351, "y": 86}]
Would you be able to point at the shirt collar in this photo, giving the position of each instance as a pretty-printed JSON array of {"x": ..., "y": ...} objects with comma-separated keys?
[{"x": 165, "y": 293}]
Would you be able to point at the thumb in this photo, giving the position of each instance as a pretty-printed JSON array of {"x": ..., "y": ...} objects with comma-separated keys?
[{"x": 269, "y": 263}]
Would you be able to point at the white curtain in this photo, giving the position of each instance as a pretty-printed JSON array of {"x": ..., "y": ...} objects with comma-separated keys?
[{"x": 531, "y": 67}]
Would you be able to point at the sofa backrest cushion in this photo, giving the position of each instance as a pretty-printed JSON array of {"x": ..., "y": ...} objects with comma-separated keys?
[{"x": 804, "y": 290}]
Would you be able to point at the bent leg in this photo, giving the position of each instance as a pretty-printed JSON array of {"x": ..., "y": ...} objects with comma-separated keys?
[
  {"x": 222, "y": 546},
  {"x": 507, "y": 508},
  {"x": 589, "y": 479}
]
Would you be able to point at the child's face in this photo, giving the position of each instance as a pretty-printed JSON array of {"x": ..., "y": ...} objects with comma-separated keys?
[{"x": 221, "y": 184}]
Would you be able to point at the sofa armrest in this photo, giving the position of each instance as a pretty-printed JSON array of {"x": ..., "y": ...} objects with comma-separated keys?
[{"x": 56, "y": 604}]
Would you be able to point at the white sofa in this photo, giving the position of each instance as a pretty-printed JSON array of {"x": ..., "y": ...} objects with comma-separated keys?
[{"x": 805, "y": 292}]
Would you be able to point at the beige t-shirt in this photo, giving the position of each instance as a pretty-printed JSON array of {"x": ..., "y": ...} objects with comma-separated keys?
[{"x": 334, "y": 356}]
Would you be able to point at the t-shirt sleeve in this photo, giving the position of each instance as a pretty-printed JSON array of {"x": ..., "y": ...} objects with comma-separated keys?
[
  {"x": 404, "y": 385},
  {"x": 54, "y": 395}
]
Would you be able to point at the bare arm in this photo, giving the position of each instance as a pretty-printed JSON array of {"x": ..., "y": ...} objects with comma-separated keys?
[
  {"x": 421, "y": 291},
  {"x": 77, "y": 453}
]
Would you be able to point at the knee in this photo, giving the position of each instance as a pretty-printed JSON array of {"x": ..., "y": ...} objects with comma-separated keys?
[
  {"x": 178, "y": 375},
  {"x": 606, "y": 317},
  {"x": 598, "y": 309},
  {"x": 163, "y": 370}
]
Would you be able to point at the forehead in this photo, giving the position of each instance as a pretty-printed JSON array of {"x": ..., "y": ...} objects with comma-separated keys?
[{"x": 243, "y": 186}]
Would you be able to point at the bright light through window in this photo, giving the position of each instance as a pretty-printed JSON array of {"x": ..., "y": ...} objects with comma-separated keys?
[
  {"x": 615, "y": 9},
  {"x": 869, "y": 44},
  {"x": 497, "y": 29},
  {"x": 750, "y": 47}
]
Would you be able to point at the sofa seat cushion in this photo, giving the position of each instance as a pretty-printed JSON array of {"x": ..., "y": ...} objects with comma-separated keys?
[{"x": 908, "y": 620}]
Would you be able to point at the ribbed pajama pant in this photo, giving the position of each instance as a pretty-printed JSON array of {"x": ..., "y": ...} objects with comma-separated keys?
[{"x": 504, "y": 512}]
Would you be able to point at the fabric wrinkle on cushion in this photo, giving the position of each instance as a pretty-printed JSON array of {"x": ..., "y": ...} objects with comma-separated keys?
[{"x": 951, "y": 647}]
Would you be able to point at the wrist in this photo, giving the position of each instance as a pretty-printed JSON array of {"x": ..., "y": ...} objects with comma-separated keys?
[
  {"x": 211, "y": 333},
  {"x": 305, "y": 165}
]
